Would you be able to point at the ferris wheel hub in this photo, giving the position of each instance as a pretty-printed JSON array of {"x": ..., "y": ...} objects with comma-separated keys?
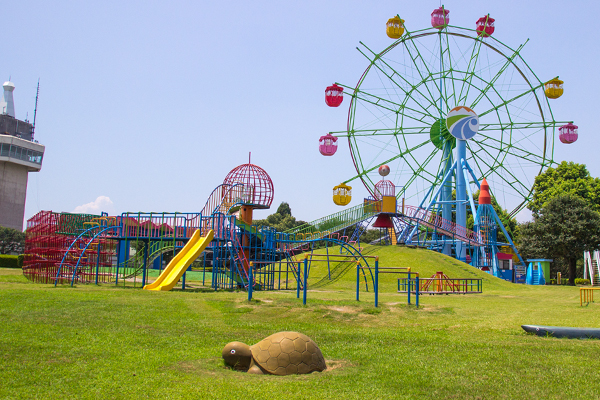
[{"x": 462, "y": 123}]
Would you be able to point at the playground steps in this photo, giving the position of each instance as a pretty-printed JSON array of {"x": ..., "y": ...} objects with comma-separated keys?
[
  {"x": 591, "y": 266},
  {"x": 442, "y": 226},
  {"x": 335, "y": 222},
  {"x": 535, "y": 277},
  {"x": 392, "y": 235}
]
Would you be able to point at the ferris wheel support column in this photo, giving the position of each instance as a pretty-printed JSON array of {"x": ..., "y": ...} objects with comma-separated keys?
[
  {"x": 461, "y": 195},
  {"x": 446, "y": 195}
]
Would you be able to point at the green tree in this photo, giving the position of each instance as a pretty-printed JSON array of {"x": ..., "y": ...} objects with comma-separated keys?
[
  {"x": 281, "y": 220},
  {"x": 284, "y": 209},
  {"x": 566, "y": 178},
  {"x": 562, "y": 230},
  {"x": 11, "y": 241}
]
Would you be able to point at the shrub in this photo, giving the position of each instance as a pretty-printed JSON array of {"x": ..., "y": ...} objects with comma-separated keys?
[
  {"x": 580, "y": 281},
  {"x": 20, "y": 260},
  {"x": 7, "y": 261}
]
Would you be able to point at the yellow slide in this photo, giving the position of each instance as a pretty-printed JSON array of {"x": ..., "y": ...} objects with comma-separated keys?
[{"x": 171, "y": 275}]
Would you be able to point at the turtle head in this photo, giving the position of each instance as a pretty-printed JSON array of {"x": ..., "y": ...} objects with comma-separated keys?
[{"x": 237, "y": 355}]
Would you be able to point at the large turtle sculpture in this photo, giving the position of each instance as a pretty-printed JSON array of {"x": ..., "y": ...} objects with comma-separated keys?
[{"x": 282, "y": 353}]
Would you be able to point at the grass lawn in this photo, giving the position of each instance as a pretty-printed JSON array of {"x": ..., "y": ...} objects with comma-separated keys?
[{"x": 120, "y": 342}]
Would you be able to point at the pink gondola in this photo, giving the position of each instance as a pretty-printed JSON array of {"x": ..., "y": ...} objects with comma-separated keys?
[
  {"x": 568, "y": 133},
  {"x": 440, "y": 18},
  {"x": 328, "y": 144}
]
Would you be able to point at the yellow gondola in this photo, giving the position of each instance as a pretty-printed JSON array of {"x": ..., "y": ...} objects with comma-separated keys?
[
  {"x": 342, "y": 194},
  {"x": 554, "y": 88},
  {"x": 395, "y": 27}
]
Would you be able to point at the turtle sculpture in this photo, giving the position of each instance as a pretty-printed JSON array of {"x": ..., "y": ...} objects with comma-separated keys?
[{"x": 282, "y": 353}]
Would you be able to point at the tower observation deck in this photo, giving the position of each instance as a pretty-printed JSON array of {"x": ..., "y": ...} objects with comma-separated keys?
[{"x": 20, "y": 154}]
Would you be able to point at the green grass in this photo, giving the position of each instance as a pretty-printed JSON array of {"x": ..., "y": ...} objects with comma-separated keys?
[{"x": 106, "y": 342}]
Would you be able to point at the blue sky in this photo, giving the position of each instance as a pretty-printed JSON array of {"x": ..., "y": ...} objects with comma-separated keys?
[{"x": 146, "y": 106}]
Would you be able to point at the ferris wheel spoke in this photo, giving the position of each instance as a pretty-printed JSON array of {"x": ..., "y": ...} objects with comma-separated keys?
[
  {"x": 386, "y": 103},
  {"x": 506, "y": 102},
  {"x": 513, "y": 149},
  {"x": 417, "y": 173},
  {"x": 414, "y": 59},
  {"x": 383, "y": 132},
  {"x": 401, "y": 154},
  {"x": 470, "y": 72},
  {"x": 445, "y": 54},
  {"x": 496, "y": 167},
  {"x": 401, "y": 77},
  {"x": 509, "y": 61},
  {"x": 519, "y": 125},
  {"x": 448, "y": 66}
]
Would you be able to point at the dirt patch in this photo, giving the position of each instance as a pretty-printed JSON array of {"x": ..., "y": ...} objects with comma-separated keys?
[
  {"x": 333, "y": 365},
  {"x": 215, "y": 367},
  {"x": 344, "y": 309}
]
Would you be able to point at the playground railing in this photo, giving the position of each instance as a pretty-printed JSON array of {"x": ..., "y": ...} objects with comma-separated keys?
[
  {"x": 441, "y": 285},
  {"x": 586, "y": 295},
  {"x": 334, "y": 222},
  {"x": 431, "y": 218}
]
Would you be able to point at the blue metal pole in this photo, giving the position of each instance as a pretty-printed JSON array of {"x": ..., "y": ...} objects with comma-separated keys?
[
  {"x": 203, "y": 267},
  {"x": 408, "y": 287},
  {"x": 357, "y": 280},
  {"x": 97, "y": 261},
  {"x": 417, "y": 291},
  {"x": 305, "y": 286},
  {"x": 446, "y": 194},
  {"x": 145, "y": 265},
  {"x": 376, "y": 281},
  {"x": 298, "y": 280},
  {"x": 250, "y": 281},
  {"x": 328, "y": 269}
]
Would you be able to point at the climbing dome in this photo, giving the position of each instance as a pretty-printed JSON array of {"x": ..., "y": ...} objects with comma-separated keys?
[
  {"x": 384, "y": 188},
  {"x": 258, "y": 186}
]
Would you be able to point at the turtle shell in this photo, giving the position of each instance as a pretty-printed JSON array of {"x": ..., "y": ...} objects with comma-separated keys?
[{"x": 286, "y": 353}]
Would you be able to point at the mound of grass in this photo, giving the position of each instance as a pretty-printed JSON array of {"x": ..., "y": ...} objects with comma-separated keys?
[{"x": 425, "y": 262}]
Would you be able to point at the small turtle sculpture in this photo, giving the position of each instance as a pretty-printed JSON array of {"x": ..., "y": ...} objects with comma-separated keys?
[{"x": 282, "y": 353}]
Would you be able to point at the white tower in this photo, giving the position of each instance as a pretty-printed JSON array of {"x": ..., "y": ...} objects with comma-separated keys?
[
  {"x": 7, "y": 105},
  {"x": 19, "y": 155}
]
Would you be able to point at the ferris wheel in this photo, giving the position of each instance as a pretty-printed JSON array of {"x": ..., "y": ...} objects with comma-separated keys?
[{"x": 399, "y": 107}]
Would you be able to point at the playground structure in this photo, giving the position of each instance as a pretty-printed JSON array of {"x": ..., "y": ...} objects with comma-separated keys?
[
  {"x": 538, "y": 271},
  {"x": 591, "y": 266},
  {"x": 413, "y": 111},
  {"x": 81, "y": 248}
]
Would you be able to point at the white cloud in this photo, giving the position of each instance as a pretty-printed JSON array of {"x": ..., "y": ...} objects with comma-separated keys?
[{"x": 102, "y": 203}]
